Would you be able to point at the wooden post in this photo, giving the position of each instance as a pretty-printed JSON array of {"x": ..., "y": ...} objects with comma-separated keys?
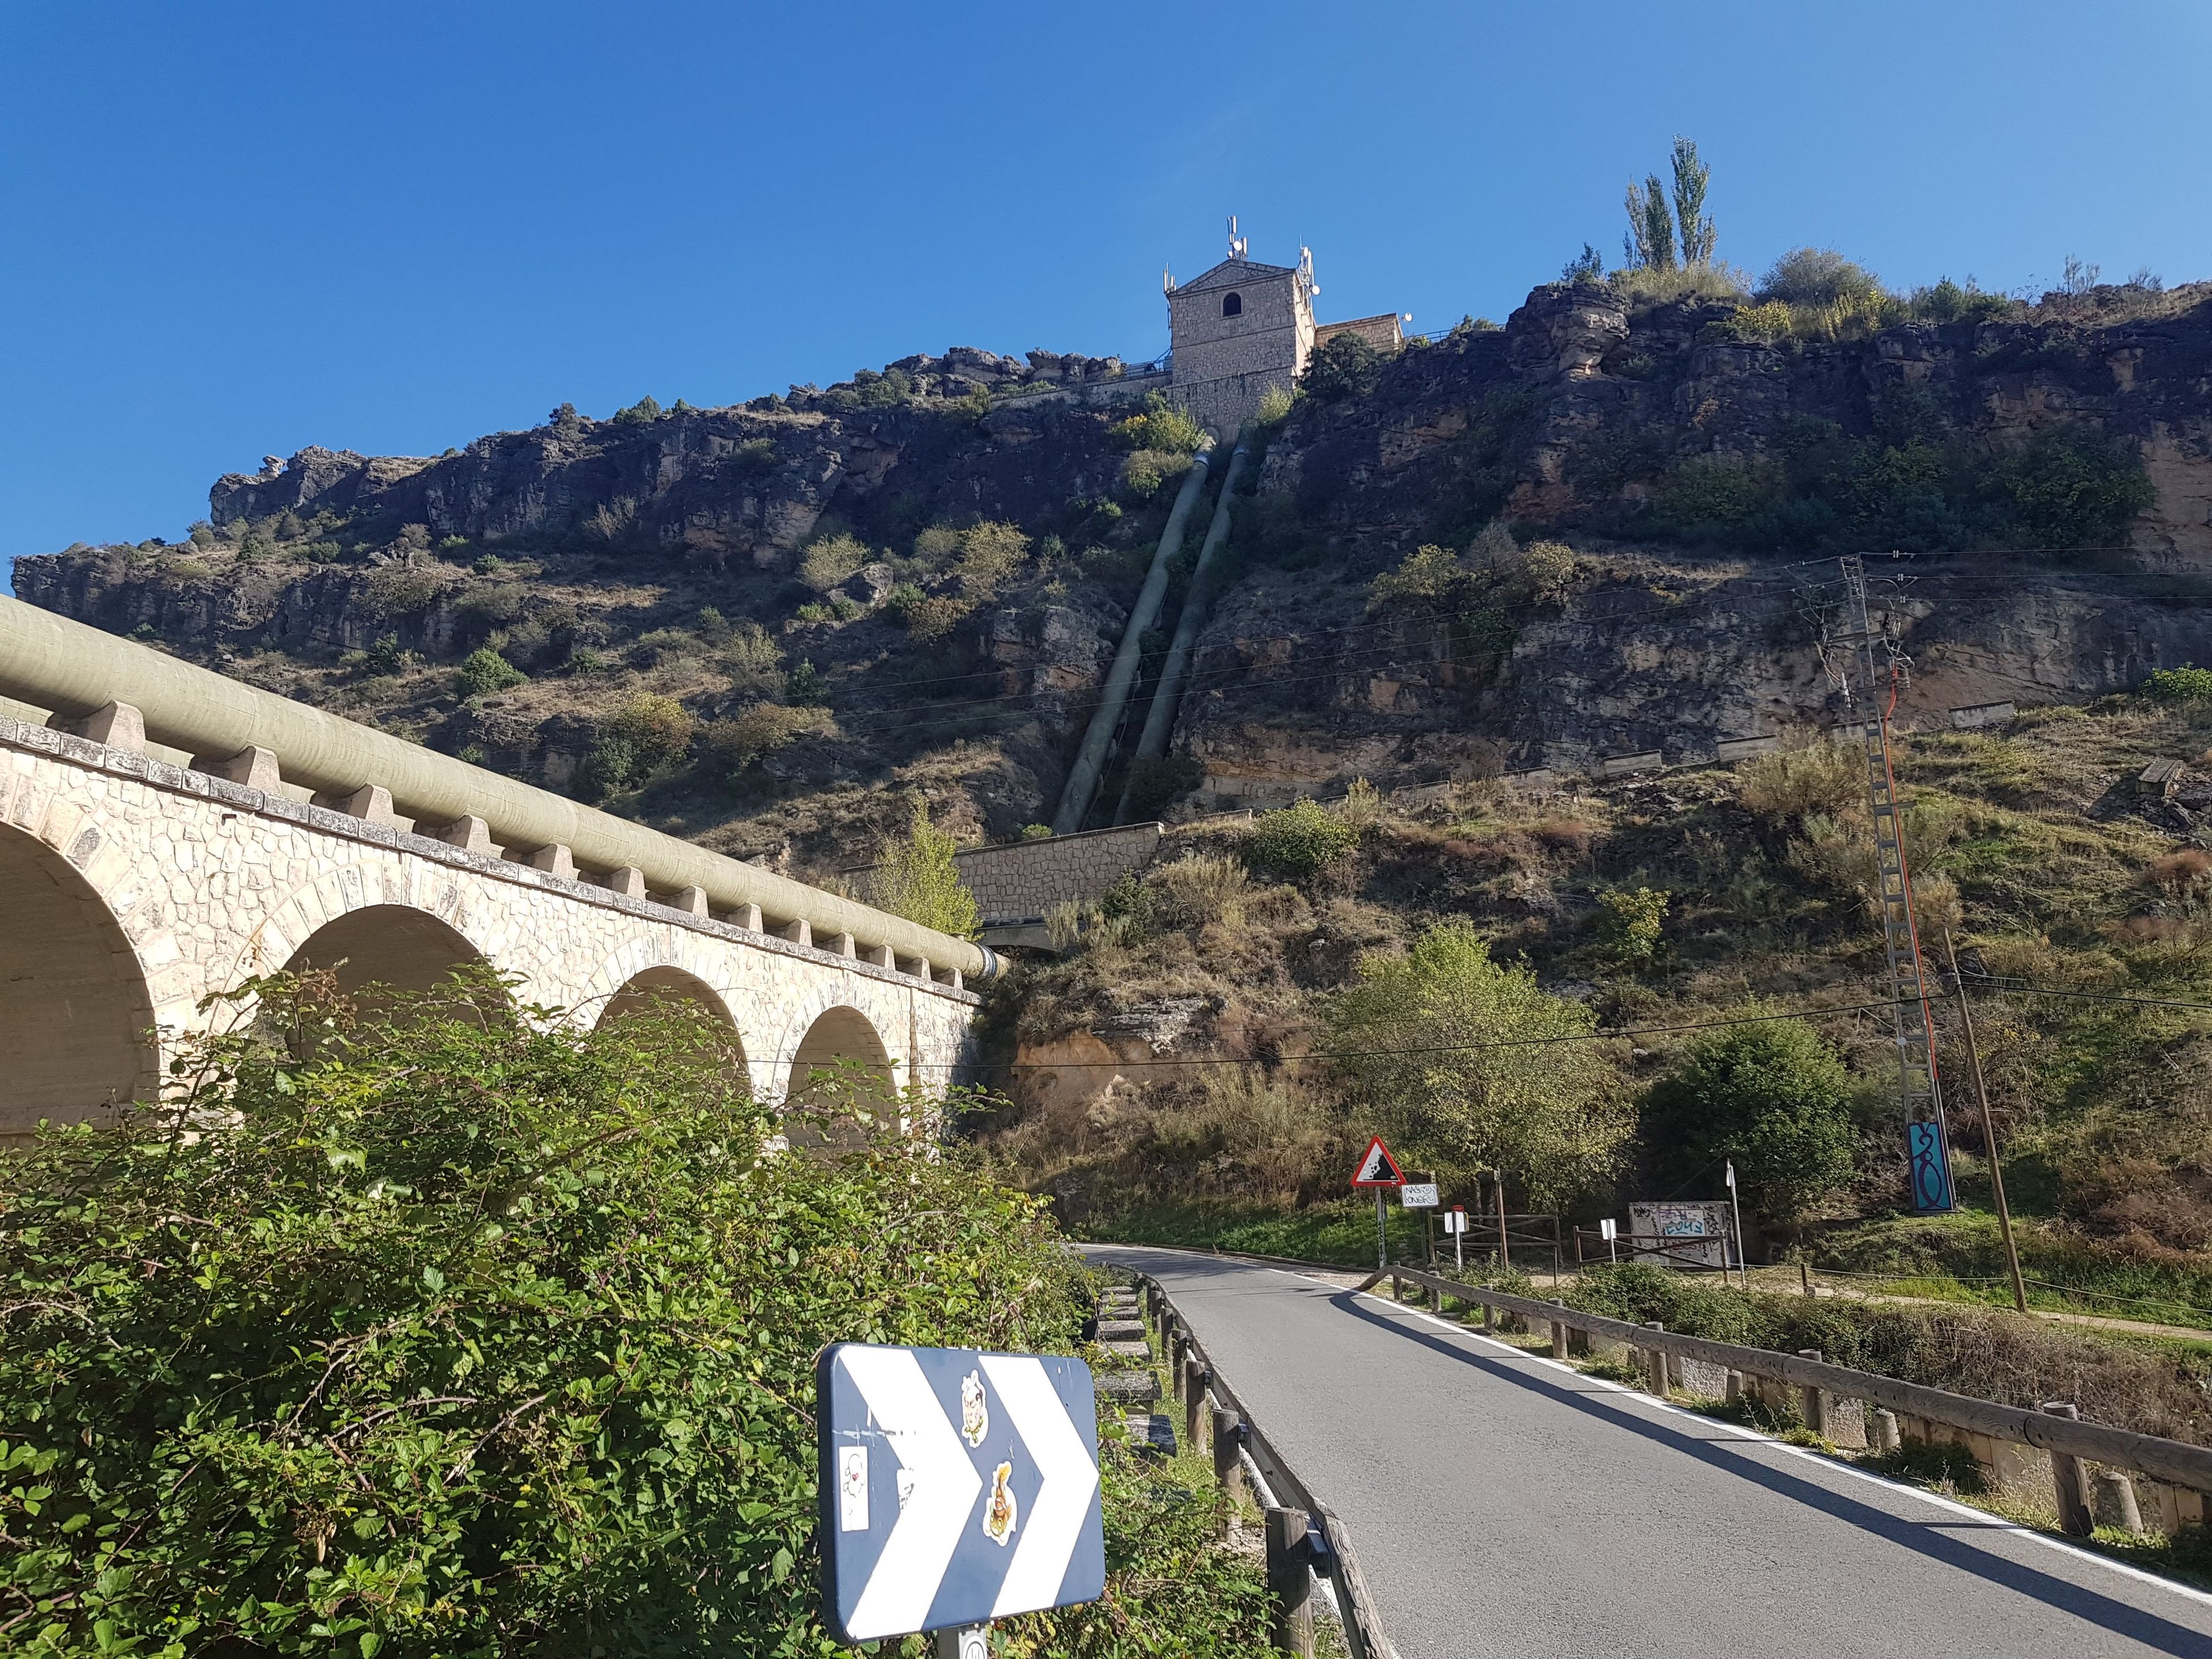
[
  {"x": 1489, "y": 1318},
  {"x": 1559, "y": 1333},
  {"x": 2066, "y": 1474},
  {"x": 1196, "y": 1422},
  {"x": 1227, "y": 1467},
  {"x": 1397, "y": 1288},
  {"x": 1655, "y": 1362},
  {"x": 1504, "y": 1250},
  {"x": 1815, "y": 1404},
  {"x": 1989, "y": 1129},
  {"x": 1290, "y": 1576},
  {"x": 1804, "y": 1277},
  {"x": 2115, "y": 1504}
]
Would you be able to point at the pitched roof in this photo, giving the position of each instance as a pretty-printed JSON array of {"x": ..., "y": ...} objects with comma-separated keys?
[{"x": 1230, "y": 272}]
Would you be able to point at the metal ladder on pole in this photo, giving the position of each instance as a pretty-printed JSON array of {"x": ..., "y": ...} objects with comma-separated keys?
[{"x": 1869, "y": 694}]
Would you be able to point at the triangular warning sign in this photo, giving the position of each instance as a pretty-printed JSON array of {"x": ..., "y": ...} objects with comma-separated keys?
[{"x": 1378, "y": 1167}]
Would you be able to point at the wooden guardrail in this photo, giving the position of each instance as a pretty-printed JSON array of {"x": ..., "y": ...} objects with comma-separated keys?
[
  {"x": 1303, "y": 1533},
  {"x": 2052, "y": 1429}
]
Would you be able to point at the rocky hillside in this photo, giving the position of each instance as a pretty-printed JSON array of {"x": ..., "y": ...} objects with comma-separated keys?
[{"x": 940, "y": 554}]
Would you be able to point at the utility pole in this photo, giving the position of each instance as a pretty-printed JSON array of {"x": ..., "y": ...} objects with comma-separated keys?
[
  {"x": 1868, "y": 671},
  {"x": 1988, "y": 1125},
  {"x": 1504, "y": 1251}
]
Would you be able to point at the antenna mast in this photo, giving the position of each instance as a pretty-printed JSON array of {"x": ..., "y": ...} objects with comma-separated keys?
[{"x": 1869, "y": 669}]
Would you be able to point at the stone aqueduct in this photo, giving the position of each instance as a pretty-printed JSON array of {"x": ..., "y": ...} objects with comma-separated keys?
[{"x": 165, "y": 833}]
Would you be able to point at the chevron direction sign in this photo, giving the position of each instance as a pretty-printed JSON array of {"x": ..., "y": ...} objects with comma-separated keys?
[{"x": 957, "y": 1487}]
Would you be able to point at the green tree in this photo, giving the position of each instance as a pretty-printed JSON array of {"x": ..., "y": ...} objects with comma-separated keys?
[
  {"x": 1649, "y": 244},
  {"x": 1695, "y": 225},
  {"x": 1473, "y": 1068},
  {"x": 917, "y": 878},
  {"x": 2071, "y": 487},
  {"x": 1772, "y": 1097},
  {"x": 1344, "y": 365}
]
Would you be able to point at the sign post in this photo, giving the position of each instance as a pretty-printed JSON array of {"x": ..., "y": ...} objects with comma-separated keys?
[
  {"x": 1610, "y": 1230},
  {"x": 955, "y": 1487},
  {"x": 1378, "y": 1169},
  {"x": 1456, "y": 1224},
  {"x": 1742, "y": 1271}
]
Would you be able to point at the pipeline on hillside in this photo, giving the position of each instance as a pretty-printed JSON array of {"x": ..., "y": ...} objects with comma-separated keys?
[
  {"x": 1082, "y": 784},
  {"x": 1159, "y": 720}
]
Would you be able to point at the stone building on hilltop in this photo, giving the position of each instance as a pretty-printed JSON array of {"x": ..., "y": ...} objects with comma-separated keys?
[{"x": 1243, "y": 327}]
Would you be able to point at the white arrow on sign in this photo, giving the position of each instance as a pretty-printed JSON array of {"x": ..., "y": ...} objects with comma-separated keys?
[
  {"x": 1068, "y": 1477},
  {"x": 915, "y": 1555}
]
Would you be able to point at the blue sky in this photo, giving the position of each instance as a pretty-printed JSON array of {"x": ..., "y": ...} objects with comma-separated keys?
[{"x": 231, "y": 230}]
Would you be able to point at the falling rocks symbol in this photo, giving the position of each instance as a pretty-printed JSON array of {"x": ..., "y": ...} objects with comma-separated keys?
[{"x": 956, "y": 1486}]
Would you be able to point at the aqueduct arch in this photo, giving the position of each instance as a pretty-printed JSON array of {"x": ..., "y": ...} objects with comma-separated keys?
[
  {"x": 665, "y": 988},
  {"x": 75, "y": 1016},
  {"x": 394, "y": 945}
]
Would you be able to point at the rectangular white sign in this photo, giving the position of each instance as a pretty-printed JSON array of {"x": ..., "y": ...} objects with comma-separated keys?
[
  {"x": 1419, "y": 1195},
  {"x": 1454, "y": 1221}
]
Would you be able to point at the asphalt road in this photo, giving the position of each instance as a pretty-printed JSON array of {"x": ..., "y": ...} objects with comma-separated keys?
[{"x": 1502, "y": 1505}]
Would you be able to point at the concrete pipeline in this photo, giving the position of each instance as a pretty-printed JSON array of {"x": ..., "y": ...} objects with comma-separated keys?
[
  {"x": 1090, "y": 760},
  {"x": 73, "y": 671}
]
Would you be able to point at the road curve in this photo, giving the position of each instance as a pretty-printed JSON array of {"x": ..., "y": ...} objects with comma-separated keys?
[{"x": 1503, "y": 1504}]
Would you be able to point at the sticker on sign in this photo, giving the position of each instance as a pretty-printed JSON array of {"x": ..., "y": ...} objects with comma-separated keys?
[
  {"x": 1419, "y": 1195},
  {"x": 957, "y": 1487}
]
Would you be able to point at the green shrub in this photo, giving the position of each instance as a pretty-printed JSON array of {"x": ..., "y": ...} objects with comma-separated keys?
[
  {"x": 2182, "y": 685},
  {"x": 1817, "y": 277},
  {"x": 484, "y": 671},
  {"x": 831, "y": 560},
  {"x": 903, "y": 600},
  {"x": 1275, "y": 404},
  {"x": 643, "y": 734},
  {"x": 384, "y": 657},
  {"x": 2073, "y": 487},
  {"x": 1631, "y": 924},
  {"x": 1772, "y": 1097},
  {"x": 759, "y": 730},
  {"x": 473, "y": 1334},
  {"x": 1297, "y": 841},
  {"x": 1702, "y": 492},
  {"x": 917, "y": 878},
  {"x": 1145, "y": 472},
  {"x": 1163, "y": 426},
  {"x": 756, "y": 456},
  {"x": 1344, "y": 365},
  {"x": 647, "y": 408},
  {"x": 806, "y": 684}
]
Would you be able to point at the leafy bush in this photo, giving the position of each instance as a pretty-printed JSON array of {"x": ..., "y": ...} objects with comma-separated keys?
[
  {"x": 917, "y": 878},
  {"x": 1706, "y": 491},
  {"x": 1773, "y": 1097},
  {"x": 484, "y": 671},
  {"x": 1631, "y": 924},
  {"x": 872, "y": 390},
  {"x": 903, "y": 600},
  {"x": 2183, "y": 684},
  {"x": 728, "y": 746},
  {"x": 1164, "y": 427},
  {"x": 471, "y": 1334},
  {"x": 643, "y": 734},
  {"x": 1145, "y": 472},
  {"x": 1816, "y": 277},
  {"x": 405, "y": 590},
  {"x": 755, "y": 456},
  {"x": 1343, "y": 365},
  {"x": 384, "y": 656},
  {"x": 806, "y": 684},
  {"x": 647, "y": 408},
  {"x": 1809, "y": 774},
  {"x": 831, "y": 560},
  {"x": 2072, "y": 486},
  {"x": 1275, "y": 405},
  {"x": 1297, "y": 841},
  {"x": 931, "y": 619},
  {"x": 1474, "y": 1068},
  {"x": 1947, "y": 302}
]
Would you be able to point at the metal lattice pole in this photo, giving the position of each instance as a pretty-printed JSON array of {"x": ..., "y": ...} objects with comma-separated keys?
[{"x": 1869, "y": 675}]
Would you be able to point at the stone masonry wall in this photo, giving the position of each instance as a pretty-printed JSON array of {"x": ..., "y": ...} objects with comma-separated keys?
[{"x": 1021, "y": 881}]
